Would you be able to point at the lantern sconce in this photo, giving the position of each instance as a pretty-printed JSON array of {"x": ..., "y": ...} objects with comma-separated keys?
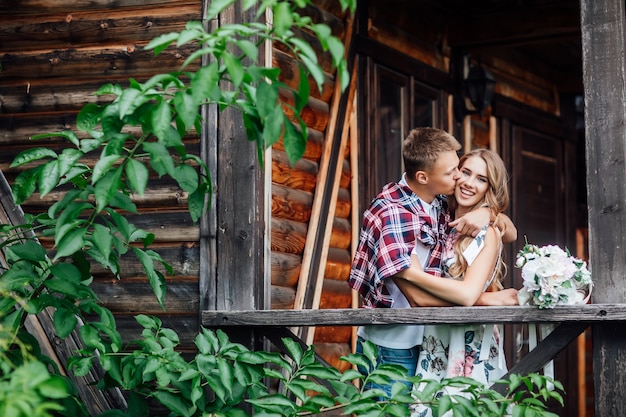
[{"x": 475, "y": 93}]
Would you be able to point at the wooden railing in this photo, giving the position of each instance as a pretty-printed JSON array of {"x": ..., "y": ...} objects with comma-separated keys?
[{"x": 569, "y": 322}]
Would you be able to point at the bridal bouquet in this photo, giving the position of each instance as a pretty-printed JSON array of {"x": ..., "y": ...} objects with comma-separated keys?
[{"x": 552, "y": 277}]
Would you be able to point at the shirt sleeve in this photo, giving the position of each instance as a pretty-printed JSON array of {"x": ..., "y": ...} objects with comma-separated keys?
[{"x": 397, "y": 239}]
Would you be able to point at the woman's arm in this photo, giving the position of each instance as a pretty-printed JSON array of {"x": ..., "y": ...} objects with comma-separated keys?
[
  {"x": 418, "y": 297},
  {"x": 468, "y": 291}
]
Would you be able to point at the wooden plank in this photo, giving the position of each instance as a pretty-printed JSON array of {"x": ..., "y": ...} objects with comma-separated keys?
[
  {"x": 109, "y": 61},
  {"x": 119, "y": 24},
  {"x": 36, "y": 7},
  {"x": 604, "y": 69},
  {"x": 545, "y": 350},
  {"x": 309, "y": 289},
  {"x": 589, "y": 313}
]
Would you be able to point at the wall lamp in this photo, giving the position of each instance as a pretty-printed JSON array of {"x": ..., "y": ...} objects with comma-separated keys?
[{"x": 476, "y": 90}]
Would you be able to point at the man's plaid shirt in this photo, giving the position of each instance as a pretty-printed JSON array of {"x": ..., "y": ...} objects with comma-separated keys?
[{"x": 391, "y": 226}]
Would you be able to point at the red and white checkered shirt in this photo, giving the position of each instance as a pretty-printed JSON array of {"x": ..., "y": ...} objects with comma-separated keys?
[{"x": 391, "y": 226}]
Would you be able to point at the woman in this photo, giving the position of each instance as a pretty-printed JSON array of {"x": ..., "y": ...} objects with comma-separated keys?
[{"x": 474, "y": 264}]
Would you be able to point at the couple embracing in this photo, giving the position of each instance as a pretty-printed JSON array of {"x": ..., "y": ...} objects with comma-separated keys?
[{"x": 443, "y": 219}]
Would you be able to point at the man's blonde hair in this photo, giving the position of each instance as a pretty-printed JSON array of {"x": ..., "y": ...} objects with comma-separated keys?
[{"x": 422, "y": 147}]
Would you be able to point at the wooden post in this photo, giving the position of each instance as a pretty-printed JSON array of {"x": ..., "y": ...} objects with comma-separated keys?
[
  {"x": 603, "y": 44},
  {"x": 234, "y": 239}
]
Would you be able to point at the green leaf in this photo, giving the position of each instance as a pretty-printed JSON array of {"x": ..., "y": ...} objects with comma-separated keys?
[
  {"x": 25, "y": 184},
  {"x": 49, "y": 177},
  {"x": 186, "y": 177},
  {"x": 114, "y": 89},
  {"x": 70, "y": 243},
  {"x": 234, "y": 68},
  {"x": 196, "y": 203},
  {"x": 173, "y": 402},
  {"x": 283, "y": 18},
  {"x": 217, "y": 6},
  {"x": 102, "y": 239},
  {"x": 266, "y": 99},
  {"x": 160, "y": 159},
  {"x": 67, "y": 134},
  {"x": 205, "y": 84},
  {"x": 301, "y": 97},
  {"x": 250, "y": 49},
  {"x": 161, "y": 119},
  {"x": 294, "y": 349},
  {"x": 68, "y": 218},
  {"x": 32, "y": 155},
  {"x": 161, "y": 42},
  {"x": 88, "y": 117},
  {"x": 315, "y": 70},
  {"x": 67, "y": 272},
  {"x": 336, "y": 48},
  {"x": 156, "y": 279},
  {"x": 29, "y": 250},
  {"x": 107, "y": 188},
  {"x": 67, "y": 159},
  {"x": 102, "y": 167},
  {"x": 274, "y": 127},
  {"x": 123, "y": 201},
  {"x": 137, "y": 174},
  {"x": 294, "y": 142},
  {"x": 186, "y": 108},
  {"x": 111, "y": 121},
  {"x": 80, "y": 366},
  {"x": 64, "y": 322}
]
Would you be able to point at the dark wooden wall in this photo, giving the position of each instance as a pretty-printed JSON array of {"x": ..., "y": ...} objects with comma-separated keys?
[{"x": 54, "y": 55}]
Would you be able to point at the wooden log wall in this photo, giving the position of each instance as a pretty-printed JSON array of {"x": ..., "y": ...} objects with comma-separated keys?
[
  {"x": 54, "y": 55},
  {"x": 293, "y": 190}
]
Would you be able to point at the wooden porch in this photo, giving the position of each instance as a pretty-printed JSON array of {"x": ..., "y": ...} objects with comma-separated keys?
[{"x": 569, "y": 322}]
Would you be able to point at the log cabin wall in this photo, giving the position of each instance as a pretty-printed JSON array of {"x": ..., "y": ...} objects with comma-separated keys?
[
  {"x": 294, "y": 190},
  {"x": 54, "y": 55}
]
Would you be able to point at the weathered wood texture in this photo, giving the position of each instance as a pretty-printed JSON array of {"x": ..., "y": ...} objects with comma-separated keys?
[
  {"x": 41, "y": 327},
  {"x": 54, "y": 56},
  {"x": 603, "y": 33},
  {"x": 588, "y": 313}
]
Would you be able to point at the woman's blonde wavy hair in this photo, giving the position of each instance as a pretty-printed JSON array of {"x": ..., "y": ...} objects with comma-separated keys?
[{"x": 496, "y": 197}]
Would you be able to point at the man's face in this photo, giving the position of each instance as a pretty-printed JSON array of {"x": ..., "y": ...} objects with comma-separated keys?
[{"x": 444, "y": 174}]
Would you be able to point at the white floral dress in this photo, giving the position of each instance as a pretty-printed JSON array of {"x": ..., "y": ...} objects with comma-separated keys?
[{"x": 473, "y": 351}]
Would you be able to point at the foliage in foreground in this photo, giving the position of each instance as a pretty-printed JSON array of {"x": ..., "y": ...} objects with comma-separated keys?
[
  {"x": 138, "y": 135},
  {"x": 227, "y": 379}
]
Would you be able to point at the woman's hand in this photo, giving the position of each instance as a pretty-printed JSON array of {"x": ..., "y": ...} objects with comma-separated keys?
[{"x": 506, "y": 297}]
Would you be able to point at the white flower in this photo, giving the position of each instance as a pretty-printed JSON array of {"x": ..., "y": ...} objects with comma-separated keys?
[{"x": 552, "y": 277}]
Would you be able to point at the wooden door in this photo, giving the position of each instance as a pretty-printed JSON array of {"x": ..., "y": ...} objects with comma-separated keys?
[{"x": 539, "y": 209}]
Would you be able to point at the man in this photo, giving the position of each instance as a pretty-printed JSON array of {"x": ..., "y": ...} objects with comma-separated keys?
[{"x": 408, "y": 214}]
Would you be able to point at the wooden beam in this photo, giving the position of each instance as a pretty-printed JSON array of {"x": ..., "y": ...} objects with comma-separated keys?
[
  {"x": 604, "y": 71},
  {"x": 514, "y": 26},
  {"x": 325, "y": 200},
  {"x": 588, "y": 313},
  {"x": 545, "y": 351}
]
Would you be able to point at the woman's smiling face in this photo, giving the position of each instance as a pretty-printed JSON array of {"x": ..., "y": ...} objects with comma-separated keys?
[{"x": 473, "y": 185}]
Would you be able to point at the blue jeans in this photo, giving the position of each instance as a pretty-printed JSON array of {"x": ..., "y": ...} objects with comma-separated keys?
[{"x": 403, "y": 357}]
